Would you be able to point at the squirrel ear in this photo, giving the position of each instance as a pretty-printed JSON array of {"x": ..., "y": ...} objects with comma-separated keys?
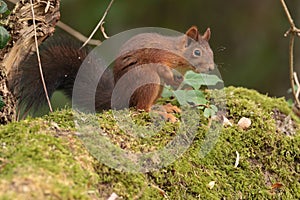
[
  {"x": 206, "y": 35},
  {"x": 193, "y": 33}
]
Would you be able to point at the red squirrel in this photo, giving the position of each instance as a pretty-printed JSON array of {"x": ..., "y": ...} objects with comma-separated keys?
[{"x": 62, "y": 58}]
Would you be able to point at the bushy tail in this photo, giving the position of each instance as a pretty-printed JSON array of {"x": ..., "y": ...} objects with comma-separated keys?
[{"x": 61, "y": 58}]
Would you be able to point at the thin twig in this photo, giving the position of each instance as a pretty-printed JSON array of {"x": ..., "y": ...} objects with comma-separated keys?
[
  {"x": 291, "y": 50},
  {"x": 286, "y": 10},
  {"x": 13, "y": 1},
  {"x": 297, "y": 84},
  {"x": 103, "y": 31},
  {"x": 100, "y": 22},
  {"x": 293, "y": 31},
  {"x": 162, "y": 192},
  {"x": 39, "y": 58},
  {"x": 77, "y": 34}
]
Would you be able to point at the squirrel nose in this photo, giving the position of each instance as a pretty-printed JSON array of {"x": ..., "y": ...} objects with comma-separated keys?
[
  {"x": 211, "y": 67},
  {"x": 206, "y": 67}
]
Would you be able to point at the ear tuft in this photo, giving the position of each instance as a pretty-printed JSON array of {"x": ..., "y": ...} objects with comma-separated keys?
[
  {"x": 206, "y": 35},
  {"x": 193, "y": 33}
]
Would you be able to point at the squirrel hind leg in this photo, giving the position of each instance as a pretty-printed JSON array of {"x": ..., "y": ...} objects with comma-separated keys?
[{"x": 144, "y": 97}]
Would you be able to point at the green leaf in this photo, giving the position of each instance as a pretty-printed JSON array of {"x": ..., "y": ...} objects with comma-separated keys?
[
  {"x": 4, "y": 37},
  {"x": 211, "y": 79},
  {"x": 207, "y": 112},
  {"x": 167, "y": 92},
  {"x": 2, "y": 104},
  {"x": 4, "y": 15},
  {"x": 190, "y": 97},
  {"x": 214, "y": 108},
  {"x": 192, "y": 79},
  {"x": 290, "y": 102},
  {"x": 211, "y": 111},
  {"x": 196, "y": 80},
  {"x": 3, "y": 7},
  {"x": 290, "y": 91}
]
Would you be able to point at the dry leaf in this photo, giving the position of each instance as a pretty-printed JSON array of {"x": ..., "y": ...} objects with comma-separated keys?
[
  {"x": 113, "y": 196},
  {"x": 226, "y": 122},
  {"x": 237, "y": 161},
  {"x": 211, "y": 184},
  {"x": 277, "y": 186}
]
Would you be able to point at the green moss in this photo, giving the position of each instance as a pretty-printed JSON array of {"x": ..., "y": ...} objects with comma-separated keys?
[
  {"x": 37, "y": 163},
  {"x": 44, "y": 158}
]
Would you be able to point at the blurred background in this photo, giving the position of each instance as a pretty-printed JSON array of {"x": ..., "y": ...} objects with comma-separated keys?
[{"x": 247, "y": 36}]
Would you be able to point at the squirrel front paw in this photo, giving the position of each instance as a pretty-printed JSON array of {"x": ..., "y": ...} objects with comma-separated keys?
[
  {"x": 169, "y": 108},
  {"x": 167, "y": 112}
]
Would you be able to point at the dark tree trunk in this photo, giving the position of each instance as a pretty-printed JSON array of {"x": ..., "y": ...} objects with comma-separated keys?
[{"x": 22, "y": 43}]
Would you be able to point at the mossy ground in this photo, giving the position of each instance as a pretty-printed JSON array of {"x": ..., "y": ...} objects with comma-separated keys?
[{"x": 44, "y": 158}]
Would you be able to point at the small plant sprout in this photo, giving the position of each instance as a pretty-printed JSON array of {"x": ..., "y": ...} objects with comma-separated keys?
[{"x": 195, "y": 96}]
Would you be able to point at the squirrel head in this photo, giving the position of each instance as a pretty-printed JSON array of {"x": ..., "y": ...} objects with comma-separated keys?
[{"x": 197, "y": 51}]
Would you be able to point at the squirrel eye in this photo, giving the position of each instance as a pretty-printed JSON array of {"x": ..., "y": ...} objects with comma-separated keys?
[{"x": 197, "y": 52}]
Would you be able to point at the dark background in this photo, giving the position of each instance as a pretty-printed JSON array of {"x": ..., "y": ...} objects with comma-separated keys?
[{"x": 247, "y": 36}]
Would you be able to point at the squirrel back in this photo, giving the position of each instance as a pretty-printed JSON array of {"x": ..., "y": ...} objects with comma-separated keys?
[{"x": 148, "y": 56}]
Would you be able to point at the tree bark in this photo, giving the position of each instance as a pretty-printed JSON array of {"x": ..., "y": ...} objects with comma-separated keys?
[{"x": 22, "y": 43}]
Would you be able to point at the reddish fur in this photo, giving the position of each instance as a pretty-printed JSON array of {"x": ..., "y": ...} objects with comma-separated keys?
[{"x": 62, "y": 57}]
